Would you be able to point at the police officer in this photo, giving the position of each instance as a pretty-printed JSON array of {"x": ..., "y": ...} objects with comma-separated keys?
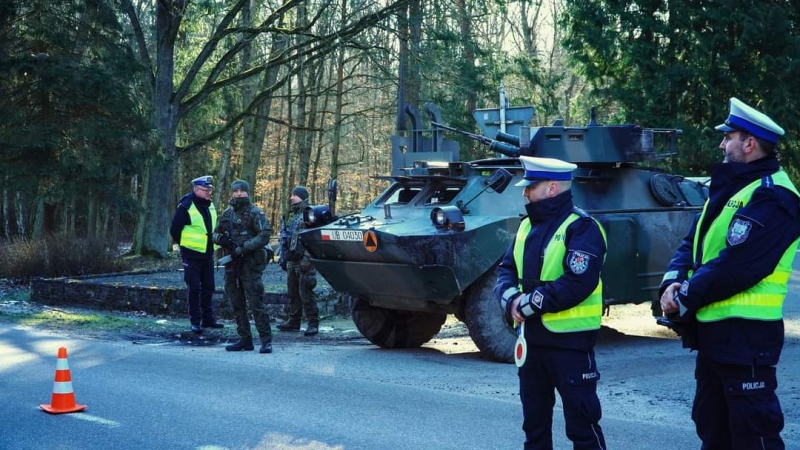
[
  {"x": 727, "y": 281},
  {"x": 243, "y": 229},
  {"x": 549, "y": 282},
  {"x": 192, "y": 225},
  {"x": 301, "y": 277}
]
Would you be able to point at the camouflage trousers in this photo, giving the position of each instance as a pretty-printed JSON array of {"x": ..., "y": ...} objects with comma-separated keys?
[
  {"x": 247, "y": 297},
  {"x": 301, "y": 279}
]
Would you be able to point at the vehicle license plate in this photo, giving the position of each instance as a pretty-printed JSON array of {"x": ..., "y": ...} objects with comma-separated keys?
[{"x": 342, "y": 235}]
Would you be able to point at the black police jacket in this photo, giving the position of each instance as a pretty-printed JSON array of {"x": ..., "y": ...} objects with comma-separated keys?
[
  {"x": 181, "y": 218},
  {"x": 774, "y": 213},
  {"x": 583, "y": 235}
]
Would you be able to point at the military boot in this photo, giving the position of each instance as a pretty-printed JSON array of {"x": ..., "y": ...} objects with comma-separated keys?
[
  {"x": 241, "y": 344},
  {"x": 266, "y": 347},
  {"x": 311, "y": 330},
  {"x": 289, "y": 326}
]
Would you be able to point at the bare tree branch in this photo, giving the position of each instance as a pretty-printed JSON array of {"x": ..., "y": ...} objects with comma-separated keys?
[
  {"x": 141, "y": 44},
  {"x": 315, "y": 48}
]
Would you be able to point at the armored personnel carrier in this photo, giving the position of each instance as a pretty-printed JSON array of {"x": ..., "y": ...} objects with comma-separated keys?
[{"x": 430, "y": 243}]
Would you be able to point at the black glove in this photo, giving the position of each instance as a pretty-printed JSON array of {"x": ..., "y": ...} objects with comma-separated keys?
[
  {"x": 283, "y": 266},
  {"x": 673, "y": 322},
  {"x": 224, "y": 241},
  {"x": 270, "y": 254}
]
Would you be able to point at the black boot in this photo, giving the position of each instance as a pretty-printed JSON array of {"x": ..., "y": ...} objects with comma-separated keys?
[
  {"x": 240, "y": 345},
  {"x": 311, "y": 330},
  {"x": 289, "y": 326},
  {"x": 213, "y": 324},
  {"x": 265, "y": 348}
]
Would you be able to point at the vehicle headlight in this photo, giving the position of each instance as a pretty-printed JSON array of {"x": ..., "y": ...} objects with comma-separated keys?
[
  {"x": 317, "y": 216},
  {"x": 448, "y": 217}
]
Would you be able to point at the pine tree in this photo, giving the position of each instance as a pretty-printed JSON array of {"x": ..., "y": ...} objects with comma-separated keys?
[{"x": 676, "y": 64}]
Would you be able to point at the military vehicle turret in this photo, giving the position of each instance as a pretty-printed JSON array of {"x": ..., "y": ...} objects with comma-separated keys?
[{"x": 430, "y": 243}]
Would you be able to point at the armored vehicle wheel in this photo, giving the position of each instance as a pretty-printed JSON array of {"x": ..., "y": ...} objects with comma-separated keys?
[
  {"x": 486, "y": 321},
  {"x": 392, "y": 328}
]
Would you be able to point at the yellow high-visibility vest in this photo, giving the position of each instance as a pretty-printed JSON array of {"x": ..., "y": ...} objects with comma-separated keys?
[
  {"x": 764, "y": 301},
  {"x": 195, "y": 236},
  {"x": 584, "y": 316}
]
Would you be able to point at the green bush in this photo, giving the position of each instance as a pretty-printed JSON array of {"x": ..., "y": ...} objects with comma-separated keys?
[{"x": 56, "y": 255}]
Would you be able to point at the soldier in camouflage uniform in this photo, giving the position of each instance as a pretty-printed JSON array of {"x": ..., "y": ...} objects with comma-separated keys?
[
  {"x": 244, "y": 231},
  {"x": 301, "y": 277}
]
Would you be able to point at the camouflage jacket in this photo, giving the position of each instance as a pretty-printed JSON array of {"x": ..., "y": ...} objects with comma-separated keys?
[
  {"x": 246, "y": 224},
  {"x": 291, "y": 226}
]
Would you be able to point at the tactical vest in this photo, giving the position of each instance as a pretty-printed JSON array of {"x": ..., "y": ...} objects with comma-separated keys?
[
  {"x": 243, "y": 230},
  {"x": 764, "y": 301},
  {"x": 293, "y": 225},
  {"x": 584, "y": 316},
  {"x": 195, "y": 236}
]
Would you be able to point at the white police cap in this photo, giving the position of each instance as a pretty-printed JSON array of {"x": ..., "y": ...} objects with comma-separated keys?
[
  {"x": 205, "y": 181},
  {"x": 743, "y": 117},
  {"x": 538, "y": 169}
]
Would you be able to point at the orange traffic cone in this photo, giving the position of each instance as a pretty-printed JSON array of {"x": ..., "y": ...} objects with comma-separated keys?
[{"x": 63, "y": 400}]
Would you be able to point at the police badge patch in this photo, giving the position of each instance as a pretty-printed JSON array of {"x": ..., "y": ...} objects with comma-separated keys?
[
  {"x": 578, "y": 262},
  {"x": 684, "y": 288},
  {"x": 537, "y": 298},
  {"x": 738, "y": 231}
]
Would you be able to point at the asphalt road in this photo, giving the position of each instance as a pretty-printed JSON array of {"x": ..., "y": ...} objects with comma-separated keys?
[
  {"x": 302, "y": 397},
  {"x": 347, "y": 395}
]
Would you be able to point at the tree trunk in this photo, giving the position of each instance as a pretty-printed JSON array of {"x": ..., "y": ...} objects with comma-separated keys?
[
  {"x": 415, "y": 45},
  {"x": 19, "y": 214},
  {"x": 113, "y": 234},
  {"x": 102, "y": 223},
  {"x": 6, "y": 214},
  {"x": 91, "y": 217},
  {"x": 309, "y": 133},
  {"x": 287, "y": 175},
  {"x": 303, "y": 152},
  {"x": 276, "y": 197},
  {"x": 337, "y": 110},
  {"x": 255, "y": 126},
  {"x": 38, "y": 220},
  {"x": 72, "y": 217},
  {"x": 152, "y": 230},
  {"x": 153, "y": 226},
  {"x": 250, "y": 154},
  {"x": 224, "y": 175},
  {"x": 402, "y": 69},
  {"x": 468, "y": 54}
]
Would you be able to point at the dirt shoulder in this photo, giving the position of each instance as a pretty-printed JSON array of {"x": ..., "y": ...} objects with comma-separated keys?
[
  {"x": 17, "y": 309},
  {"x": 139, "y": 327}
]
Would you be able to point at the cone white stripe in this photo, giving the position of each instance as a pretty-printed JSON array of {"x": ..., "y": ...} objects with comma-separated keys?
[
  {"x": 62, "y": 364},
  {"x": 62, "y": 387}
]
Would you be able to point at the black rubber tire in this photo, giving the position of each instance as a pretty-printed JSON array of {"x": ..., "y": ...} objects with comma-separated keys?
[
  {"x": 487, "y": 324},
  {"x": 391, "y": 328}
]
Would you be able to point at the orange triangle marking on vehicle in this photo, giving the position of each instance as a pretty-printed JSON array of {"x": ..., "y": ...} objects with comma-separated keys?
[{"x": 370, "y": 241}]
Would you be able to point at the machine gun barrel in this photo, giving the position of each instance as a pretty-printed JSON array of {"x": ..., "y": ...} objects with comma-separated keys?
[
  {"x": 505, "y": 143},
  {"x": 508, "y": 138}
]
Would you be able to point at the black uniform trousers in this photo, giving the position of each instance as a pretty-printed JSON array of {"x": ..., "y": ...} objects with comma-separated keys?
[
  {"x": 574, "y": 374},
  {"x": 735, "y": 407},
  {"x": 199, "y": 277}
]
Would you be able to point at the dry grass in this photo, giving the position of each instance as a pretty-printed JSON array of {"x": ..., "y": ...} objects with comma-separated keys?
[{"x": 57, "y": 255}]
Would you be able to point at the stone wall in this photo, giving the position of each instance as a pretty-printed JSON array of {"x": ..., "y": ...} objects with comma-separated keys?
[{"x": 157, "y": 293}]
